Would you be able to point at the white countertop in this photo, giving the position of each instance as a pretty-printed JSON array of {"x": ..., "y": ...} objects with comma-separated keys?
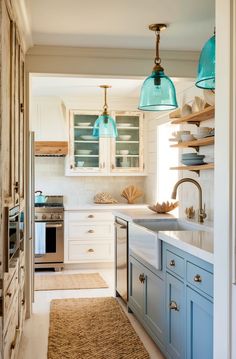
[
  {"x": 198, "y": 243},
  {"x": 106, "y": 207}
]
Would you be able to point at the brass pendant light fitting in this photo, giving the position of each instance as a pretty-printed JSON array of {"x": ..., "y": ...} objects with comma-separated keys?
[
  {"x": 105, "y": 107},
  {"x": 157, "y": 28}
]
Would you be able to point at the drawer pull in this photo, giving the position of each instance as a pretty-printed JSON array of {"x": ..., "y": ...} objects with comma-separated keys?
[
  {"x": 91, "y": 250},
  {"x": 142, "y": 278},
  {"x": 90, "y": 216},
  {"x": 9, "y": 294},
  {"x": 173, "y": 306},
  {"x": 172, "y": 263},
  {"x": 23, "y": 302},
  {"x": 197, "y": 278},
  {"x": 90, "y": 231}
]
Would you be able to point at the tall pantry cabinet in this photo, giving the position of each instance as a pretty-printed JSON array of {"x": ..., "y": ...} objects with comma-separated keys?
[{"x": 12, "y": 170}]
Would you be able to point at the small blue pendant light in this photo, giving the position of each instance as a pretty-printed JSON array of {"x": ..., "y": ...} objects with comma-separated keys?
[
  {"x": 158, "y": 91},
  {"x": 105, "y": 125},
  {"x": 206, "y": 66}
]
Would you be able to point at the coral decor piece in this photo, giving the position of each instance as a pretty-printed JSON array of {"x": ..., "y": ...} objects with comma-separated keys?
[
  {"x": 164, "y": 207},
  {"x": 104, "y": 198},
  {"x": 131, "y": 193}
]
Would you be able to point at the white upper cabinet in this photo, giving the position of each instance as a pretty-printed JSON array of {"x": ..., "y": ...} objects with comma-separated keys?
[
  {"x": 89, "y": 155},
  {"x": 48, "y": 120}
]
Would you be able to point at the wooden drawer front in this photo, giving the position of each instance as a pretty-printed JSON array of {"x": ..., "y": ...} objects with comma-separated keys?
[
  {"x": 90, "y": 216},
  {"x": 9, "y": 296},
  {"x": 200, "y": 278},
  {"x": 11, "y": 331},
  {"x": 79, "y": 251},
  {"x": 175, "y": 263},
  {"x": 93, "y": 230},
  {"x": 14, "y": 266}
]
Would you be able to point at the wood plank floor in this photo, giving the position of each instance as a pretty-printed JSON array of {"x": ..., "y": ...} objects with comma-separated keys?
[{"x": 35, "y": 336}]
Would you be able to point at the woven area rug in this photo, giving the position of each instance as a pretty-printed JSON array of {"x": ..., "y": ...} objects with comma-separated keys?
[
  {"x": 69, "y": 281},
  {"x": 92, "y": 328}
]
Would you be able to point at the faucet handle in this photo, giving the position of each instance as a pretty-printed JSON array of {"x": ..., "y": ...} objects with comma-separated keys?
[{"x": 202, "y": 213}]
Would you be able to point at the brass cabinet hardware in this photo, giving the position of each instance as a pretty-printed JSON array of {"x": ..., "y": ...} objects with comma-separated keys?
[
  {"x": 172, "y": 263},
  {"x": 142, "y": 278},
  {"x": 90, "y": 216},
  {"x": 91, "y": 250},
  {"x": 9, "y": 294},
  {"x": 112, "y": 167},
  {"x": 16, "y": 187},
  {"x": 90, "y": 231},
  {"x": 23, "y": 302},
  {"x": 197, "y": 278},
  {"x": 71, "y": 167},
  {"x": 173, "y": 306}
]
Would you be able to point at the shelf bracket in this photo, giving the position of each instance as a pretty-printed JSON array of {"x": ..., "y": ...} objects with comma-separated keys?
[
  {"x": 196, "y": 171},
  {"x": 195, "y": 147},
  {"x": 197, "y": 123}
]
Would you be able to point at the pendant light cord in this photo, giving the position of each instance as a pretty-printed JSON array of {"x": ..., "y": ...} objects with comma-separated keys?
[
  {"x": 105, "y": 107},
  {"x": 157, "y": 60}
]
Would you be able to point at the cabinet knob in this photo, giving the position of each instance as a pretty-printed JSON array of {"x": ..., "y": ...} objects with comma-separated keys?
[
  {"x": 90, "y": 231},
  {"x": 197, "y": 278},
  {"x": 173, "y": 306},
  {"x": 23, "y": 302},
  {"x": 90, "y": 250},
  {"x": 172, "y": 263},
  {"x": 90, "y": 216},
  {"x": 9, "y": 294},
  {"x": 112, "y": 167},
  {"x": 142, "y": 278}
]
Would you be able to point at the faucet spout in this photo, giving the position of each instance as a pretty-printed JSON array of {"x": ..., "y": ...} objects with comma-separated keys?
[{"x": 202, "y": 213}]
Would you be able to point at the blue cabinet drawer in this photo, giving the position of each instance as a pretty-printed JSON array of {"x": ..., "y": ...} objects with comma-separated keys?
[
  {"x": 200, "y": 278},
  {"x": 175, "y": 263}
]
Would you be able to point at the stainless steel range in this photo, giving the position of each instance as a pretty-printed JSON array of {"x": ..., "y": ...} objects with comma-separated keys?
[{"x": 49, "y": 233}]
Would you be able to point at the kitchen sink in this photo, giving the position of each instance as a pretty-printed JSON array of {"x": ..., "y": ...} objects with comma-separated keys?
[
  {"x": 168, "y": 225},
  {"x": 143, "y": 238}
]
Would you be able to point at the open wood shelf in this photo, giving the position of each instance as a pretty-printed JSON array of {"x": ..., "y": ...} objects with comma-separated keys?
[
  {"x": 196, "y": 143},
  {"x": 196, "y": 118},
  {"x": 197, "y": 168}
]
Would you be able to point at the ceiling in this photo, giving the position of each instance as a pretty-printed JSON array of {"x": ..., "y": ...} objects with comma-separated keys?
[
  {"x": 120, "y": 24},
  {"x": 84, "y": 87}
]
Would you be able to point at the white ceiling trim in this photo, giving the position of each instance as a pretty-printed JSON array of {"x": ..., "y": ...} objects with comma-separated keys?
[{"x": 22, "y": 18}]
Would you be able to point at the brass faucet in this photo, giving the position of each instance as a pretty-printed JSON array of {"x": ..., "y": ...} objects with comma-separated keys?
[{"x": 201, "y": 213}]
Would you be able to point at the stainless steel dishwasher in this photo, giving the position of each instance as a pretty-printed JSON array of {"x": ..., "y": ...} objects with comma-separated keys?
[{"x": 121, "y": 258}]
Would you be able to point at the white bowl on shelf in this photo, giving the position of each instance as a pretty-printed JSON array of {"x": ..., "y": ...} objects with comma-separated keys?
[
  {"x": 84, "y": 124},
  {"x": 83, "y": 152},
  {"x": 124, "y": 152},
  {"x": 88, "y": 138},
  {"x": 187, "y": 137},
  {"x": 124, "y": 137},
  {"x": 124, "y": 124}
]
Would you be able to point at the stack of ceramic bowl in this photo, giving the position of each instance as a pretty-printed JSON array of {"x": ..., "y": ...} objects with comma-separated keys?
[{"x": 192, "y": 159}]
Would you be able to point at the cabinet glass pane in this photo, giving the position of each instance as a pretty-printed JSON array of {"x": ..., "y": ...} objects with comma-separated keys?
[
  {"x": 86, "y": 146},
  {"x": 127, "y": 150}
]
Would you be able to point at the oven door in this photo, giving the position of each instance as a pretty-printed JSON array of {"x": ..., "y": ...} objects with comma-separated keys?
[{"x": 54, "y": 246}]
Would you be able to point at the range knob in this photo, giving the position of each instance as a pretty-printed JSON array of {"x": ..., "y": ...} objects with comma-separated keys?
[
  {"x": 44, "y": 216},
  {"x": 52, "y": 216},
  {"x": 58, "y": 216}
]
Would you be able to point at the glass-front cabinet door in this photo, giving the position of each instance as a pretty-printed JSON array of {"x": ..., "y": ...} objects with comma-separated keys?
[
  {"x": 85, "y": 149},
  {"x": 127, "y": 151}
]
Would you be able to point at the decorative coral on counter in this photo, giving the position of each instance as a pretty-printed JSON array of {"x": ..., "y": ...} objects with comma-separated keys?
[{"x": 131, "y": 193}]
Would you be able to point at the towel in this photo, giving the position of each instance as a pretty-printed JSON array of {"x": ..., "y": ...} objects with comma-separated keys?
[{"x": 40, "y": 238}]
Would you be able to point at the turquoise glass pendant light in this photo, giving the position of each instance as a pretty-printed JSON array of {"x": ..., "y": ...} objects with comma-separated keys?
[
  {"x": 158, "y": 91},
  {"x": 206, "y": 66},
  {"x": 105, "y": 125}
]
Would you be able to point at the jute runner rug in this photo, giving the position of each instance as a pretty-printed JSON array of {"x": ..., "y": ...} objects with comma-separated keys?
[
  {"x": 69, "y": 281},
  {"x": 92, "y": 328}
]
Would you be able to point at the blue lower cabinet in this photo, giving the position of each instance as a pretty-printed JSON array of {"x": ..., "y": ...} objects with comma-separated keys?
[
  {"x": 199, "y": 326},
  {"x": 147, "y": 299},
  {"x": 154, "y": 304},
  {"x": 176, "y": 317}
]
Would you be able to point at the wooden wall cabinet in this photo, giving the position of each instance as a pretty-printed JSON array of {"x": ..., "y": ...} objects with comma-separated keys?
[{"x": 12, "y": 153}]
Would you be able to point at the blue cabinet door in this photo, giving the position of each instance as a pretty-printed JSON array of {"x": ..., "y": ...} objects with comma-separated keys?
[
  {"x": 176, "y": 315},
  {"x": 154, "y": 304},
  {"x": 136, "y": 285},
  {"x": 199, "y": 326}
]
